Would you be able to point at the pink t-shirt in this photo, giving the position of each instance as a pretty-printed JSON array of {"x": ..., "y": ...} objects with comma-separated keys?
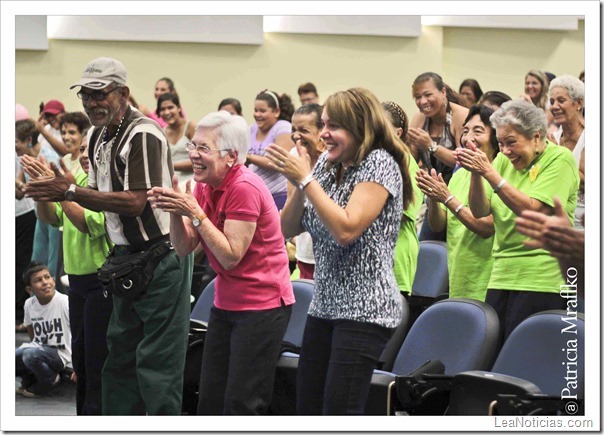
[{"x": 261, "y": 280}]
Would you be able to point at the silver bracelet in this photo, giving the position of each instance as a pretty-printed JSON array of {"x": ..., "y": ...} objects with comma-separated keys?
[
  {"x": 305, "y": 181},
  {"x": 500, "y": 185},
  {"x": 457, "y": 209},
  {"x": 449, "y": 198}
]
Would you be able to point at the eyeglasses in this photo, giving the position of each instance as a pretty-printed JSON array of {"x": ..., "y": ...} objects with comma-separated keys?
[
  {"x": 202, "y": 149},
  {"x": 95, "y": 95}
]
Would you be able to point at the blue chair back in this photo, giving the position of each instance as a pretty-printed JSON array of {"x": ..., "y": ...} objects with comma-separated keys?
[
  {"x": 462, "y": 333},
  {"x": 432, "y": 274},
  {"x": 201, "y": 310},
  {"x": 303, "y": 292},
  {"x": 546, "y": 349}
]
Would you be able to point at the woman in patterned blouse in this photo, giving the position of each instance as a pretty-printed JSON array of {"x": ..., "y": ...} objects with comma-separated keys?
[{"x": 351, "y": 203}]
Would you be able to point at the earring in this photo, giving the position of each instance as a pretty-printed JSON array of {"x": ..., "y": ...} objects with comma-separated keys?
[{"x": 230, "y": 164}]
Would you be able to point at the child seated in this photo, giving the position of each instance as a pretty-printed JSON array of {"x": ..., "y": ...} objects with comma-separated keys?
[{"x": 40, "y": 362}]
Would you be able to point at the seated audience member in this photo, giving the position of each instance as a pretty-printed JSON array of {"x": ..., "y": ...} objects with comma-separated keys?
[
  {"x": 40, "y": 362},
  {"x": 567, "y": 101},
  {"x": 470, "y": 92},
  {"x": 85, "y": 247},
  {"x": 306, "y": 128},
  {"x": 47, "y": 240},
  {"x": 232, "y": 214},
  {"x": 469, "y": 240},
  {"x": 272, "y": 116},
  {"x": 308, "y": 94},
  {"x": 494, "y": 99},
  {"x": 435, "y": 131},
  {"x": 525, "y": 175},
  {"x": 557, "y": 235},
  {"x": 407, "y": 244},
  {"x": 231, "y": 105},
  {"x": 179, "y": 131},
  {"x": 351, "y": 203}
]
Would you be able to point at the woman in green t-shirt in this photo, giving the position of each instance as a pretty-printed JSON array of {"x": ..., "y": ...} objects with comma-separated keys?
[
  {"x": 526, "y": 175},
  {"x": 469, "y": 240}
]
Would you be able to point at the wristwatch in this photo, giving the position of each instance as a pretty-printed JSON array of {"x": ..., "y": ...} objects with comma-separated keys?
[
  {"x": 432, "y": 148},
  {"x": 198, "y": 218},
  {"x": 70, "y": 193}
]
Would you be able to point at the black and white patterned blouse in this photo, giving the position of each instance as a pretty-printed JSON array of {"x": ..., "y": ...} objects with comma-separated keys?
[{"x": 356, "y": 282}]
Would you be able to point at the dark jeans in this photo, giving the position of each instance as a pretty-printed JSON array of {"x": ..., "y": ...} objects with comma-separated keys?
[
  {"x": 40, "y": 365},
  {"x": 239, "y": 360},
  {"x": 514, "y": 306},
  {"x": 89, "y": 313},
  {"x": 25, "y": 227},
  {"x": 336, "y": 363}
]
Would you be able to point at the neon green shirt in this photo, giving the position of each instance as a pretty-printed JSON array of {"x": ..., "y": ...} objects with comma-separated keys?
[
  {"x": 468, "y": 255},
  {"x": 83, "y": 253},
  {"x": 407, "y": 244},
  {"x": 517, "y": 267}
]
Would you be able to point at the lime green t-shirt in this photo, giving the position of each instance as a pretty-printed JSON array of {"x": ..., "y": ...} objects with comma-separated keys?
[
  {"x": 517, "y": 267},
  {"x": 83, "y": 253},
  {"x": 407, "y": 244},
  {"x": 468, "y": 255}
]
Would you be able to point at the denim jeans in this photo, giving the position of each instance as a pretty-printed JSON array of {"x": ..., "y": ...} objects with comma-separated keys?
[
  {"x": 336, "y": 363},
  {"x": 40, "y": 363},
  {"x": 239, "y": 360}
]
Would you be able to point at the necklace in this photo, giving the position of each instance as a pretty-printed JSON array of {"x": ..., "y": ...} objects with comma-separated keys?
[
  {"x": 106, "y": 132},
  {"x": 103, "y": 154}
]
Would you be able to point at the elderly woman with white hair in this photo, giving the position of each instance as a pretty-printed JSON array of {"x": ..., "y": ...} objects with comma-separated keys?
[
  {"x": 567, "y": 97},
  {"x": 233, "y": 215},
  {"x": 527, "y": 174}
]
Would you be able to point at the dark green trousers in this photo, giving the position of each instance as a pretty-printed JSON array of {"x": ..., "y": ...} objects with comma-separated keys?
[{"x": 147, "y": 340}]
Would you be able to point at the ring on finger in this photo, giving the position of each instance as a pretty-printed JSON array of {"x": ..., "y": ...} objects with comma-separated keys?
[
  {"x": 429, "y": 189},
  {"x": 281, "y": 163}
]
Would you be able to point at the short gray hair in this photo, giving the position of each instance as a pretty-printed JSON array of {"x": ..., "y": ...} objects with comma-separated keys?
[
  {"x": 232, "y": 132},
  {"x": 522, "y": 116},
  {"x": 574, "y": 87}
]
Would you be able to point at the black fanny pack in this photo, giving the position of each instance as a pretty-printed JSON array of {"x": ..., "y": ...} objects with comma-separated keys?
[{"x": 128, "y": 275}]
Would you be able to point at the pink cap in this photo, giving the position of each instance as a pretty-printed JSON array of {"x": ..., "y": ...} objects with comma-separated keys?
[{"x": 21, "y": 112}]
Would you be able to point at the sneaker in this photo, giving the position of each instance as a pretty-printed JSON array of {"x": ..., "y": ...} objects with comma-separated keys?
[
  {"x": 19, "y": 390},
  {"x": 38, "y": 391},
  {"x": 29, "y": 393}
]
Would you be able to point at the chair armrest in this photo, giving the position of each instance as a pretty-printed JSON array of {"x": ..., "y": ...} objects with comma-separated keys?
[
  {"x": 537, "y": 404},
  {"x": 473, "y": 392}
]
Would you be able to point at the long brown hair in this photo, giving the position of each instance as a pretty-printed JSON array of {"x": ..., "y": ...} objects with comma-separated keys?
[{"x": 359, "y": 111}]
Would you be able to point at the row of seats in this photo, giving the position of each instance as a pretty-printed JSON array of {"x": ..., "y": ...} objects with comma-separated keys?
[{"x": 445, "y": 360}]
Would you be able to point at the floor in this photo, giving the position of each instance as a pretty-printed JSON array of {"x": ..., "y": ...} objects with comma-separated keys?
[{"x": 60, "y": 402}]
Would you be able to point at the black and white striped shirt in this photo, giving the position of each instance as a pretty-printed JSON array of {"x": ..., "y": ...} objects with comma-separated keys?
[{"x": 138, "y": 158}]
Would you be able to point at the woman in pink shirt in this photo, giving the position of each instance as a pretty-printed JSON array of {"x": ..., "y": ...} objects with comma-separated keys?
[{"x": 233, "y": 215}]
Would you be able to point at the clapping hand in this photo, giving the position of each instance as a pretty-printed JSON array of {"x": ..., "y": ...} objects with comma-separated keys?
[
  {"x": 432, "y": 184},
  {"x": 295, "y": 169},
  {"x": 174, "y": 200},
  {"x": 554, "y": 233}
]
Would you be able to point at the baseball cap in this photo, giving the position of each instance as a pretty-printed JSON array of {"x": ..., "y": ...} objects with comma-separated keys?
[
  {"x": 101, "y": 72},
  {"x": 53, "y": 107}
]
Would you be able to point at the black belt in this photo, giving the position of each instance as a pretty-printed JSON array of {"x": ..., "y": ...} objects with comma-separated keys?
[{"x": 138, "y": 247}]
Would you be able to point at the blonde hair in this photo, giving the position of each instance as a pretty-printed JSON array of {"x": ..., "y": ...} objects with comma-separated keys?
[
  {"x": 358, "y": 111},
  {"x": 543, "y": 96}
]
